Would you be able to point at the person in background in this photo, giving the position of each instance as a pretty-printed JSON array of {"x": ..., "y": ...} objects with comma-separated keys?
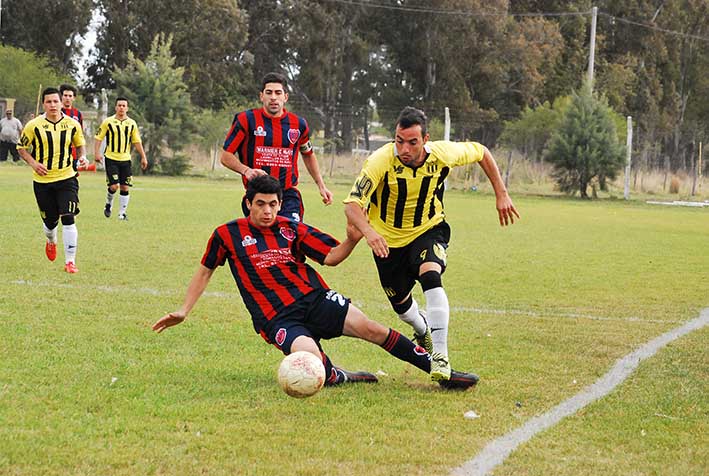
[
  {"x": 10, "y": 130},
  {"x": 267, "y": 141},
  {"x": 56, "y": 187},
  {"x": 120, "y": 132}
]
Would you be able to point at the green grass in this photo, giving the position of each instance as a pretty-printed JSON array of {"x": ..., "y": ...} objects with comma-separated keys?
[{"x": 539, "y": 310}]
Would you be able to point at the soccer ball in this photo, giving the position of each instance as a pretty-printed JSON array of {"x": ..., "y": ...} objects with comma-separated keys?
[{"x": 301, "y": 374}]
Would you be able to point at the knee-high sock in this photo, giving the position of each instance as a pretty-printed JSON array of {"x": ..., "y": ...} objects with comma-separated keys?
[
  {"x": 109, "y": 197},
  {"x": 402, "y": 348},
  {"x": 50, "y": 234},
  {"x": 123, "y": 200},
  {"x": 438, "y": 314},
  {"x": 413, "y": 318},
  {"x": 70, "y": 236}
]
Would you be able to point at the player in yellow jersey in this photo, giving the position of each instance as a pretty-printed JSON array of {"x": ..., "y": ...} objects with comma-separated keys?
[
  {"x": 45, "y": 145},
  {"x": 402, "y": 184},
  {"x": 120, "y": 132}
]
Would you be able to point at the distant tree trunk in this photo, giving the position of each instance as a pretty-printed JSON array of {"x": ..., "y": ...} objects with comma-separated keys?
[
  {"x": 366, "y": 127},
  {"x": 346, "y": 98},
  {"x": 509, "y": 167}
]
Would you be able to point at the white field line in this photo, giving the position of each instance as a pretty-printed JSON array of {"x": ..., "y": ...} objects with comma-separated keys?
[
  {"x": 498, "y": 450},
  {"x": 383, "y": 306}
]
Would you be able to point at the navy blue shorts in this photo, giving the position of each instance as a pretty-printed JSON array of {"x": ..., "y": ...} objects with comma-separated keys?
[{"x": 319, "y": 315}]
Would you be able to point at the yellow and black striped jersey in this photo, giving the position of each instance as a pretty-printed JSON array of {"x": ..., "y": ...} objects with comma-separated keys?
[
  {"x": 119, "y": 137},
  {"x": 405, "y": 202},
  {"x": 50, "y": 143}
]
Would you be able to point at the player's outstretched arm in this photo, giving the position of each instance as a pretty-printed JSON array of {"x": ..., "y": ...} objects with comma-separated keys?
[
  {"x": 311, "y": 163},
  {"x": 357, "y": 217},
  {"x": 506, "y": 210},
  {"x": 339, "y": 253},
  {"x": 194, "y": 291},
  {"x": 143, "y": 158},
  {"x": 232, "y": 162},
  {"x": 97, "y": 151}
]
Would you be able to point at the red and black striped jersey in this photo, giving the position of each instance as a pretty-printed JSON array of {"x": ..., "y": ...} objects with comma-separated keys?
[
  {"x": 263, "y": 261},
  {"x": 75, "y": 114},
  {"x": 270, "y": 143}
]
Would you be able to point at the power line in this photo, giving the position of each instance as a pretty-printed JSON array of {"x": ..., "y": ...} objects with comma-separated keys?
[
  {"x": 439, "y": 11},
  {"x": 653, "y": 27}
]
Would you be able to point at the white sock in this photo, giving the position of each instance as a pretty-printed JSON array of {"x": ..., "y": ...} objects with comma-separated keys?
[
  {"x": 438, "y": 314},
  {"x": 109, "y": 198},
  {"x": 70, "y": 236},
  {"x": 50, "y": 234},
  {"x": 414, "y": 319},
  {"x": 123, "y": 200}
]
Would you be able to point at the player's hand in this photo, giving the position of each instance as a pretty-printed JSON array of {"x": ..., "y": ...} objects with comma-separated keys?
[
  {"x": 98, "y": 159},
  {"x": 251, "y": 174},
  {"x": 169, "y": 320},
  {"x": 82, "y": 162},
  {"x": 506, "y": 211},
  {"x": 39, "y": 169},
  {"x": 143, "y": 163},
  {"x": 326, "y": 195},
  {"x": 378, "y": 244}
]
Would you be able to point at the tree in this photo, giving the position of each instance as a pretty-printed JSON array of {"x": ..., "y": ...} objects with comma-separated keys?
[
  {"x": 208, "y": 40},
  {"x": 160, "y": 102},
  {"x": 22, "y": 75},
  {"x": 585, "y": 150},
  {"x": 50, "y": 28}
]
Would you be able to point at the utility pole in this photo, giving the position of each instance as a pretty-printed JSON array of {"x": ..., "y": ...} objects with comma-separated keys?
[
  {"x": 592, "y": 53},
  {"x": 629, "y": 147}
]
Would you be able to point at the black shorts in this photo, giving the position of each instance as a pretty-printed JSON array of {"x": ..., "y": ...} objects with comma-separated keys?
[
  {"x": 291, "y": 206},
  {"x": 118, "y": 171},
  {"x": 319, "y": 315},
  {"x": 55, "y": 199},
  {"x": 399, "y": 271}
]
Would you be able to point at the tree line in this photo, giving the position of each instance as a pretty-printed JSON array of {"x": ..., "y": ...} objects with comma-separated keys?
[{"x": 349, "y": 61}]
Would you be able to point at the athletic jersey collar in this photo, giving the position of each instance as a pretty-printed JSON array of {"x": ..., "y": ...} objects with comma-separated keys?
[{"x": 426, "y": 147}]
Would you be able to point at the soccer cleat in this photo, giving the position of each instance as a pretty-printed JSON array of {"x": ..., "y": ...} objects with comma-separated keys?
[
  {"x": 344, "y": 376},
  {"x": 424, "y": 340},
  {"x": 440, "y": 368},
  {"x": 123, "y": 216},
  {"x": 107, "y": 211},
  {"x": 71, "y": 268},
  {"x": 459, "y": 381},
  {"x": 50, "y": 249}
]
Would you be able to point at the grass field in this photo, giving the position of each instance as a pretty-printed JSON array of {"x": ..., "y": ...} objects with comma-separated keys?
[{"x": 540, "y": 310}]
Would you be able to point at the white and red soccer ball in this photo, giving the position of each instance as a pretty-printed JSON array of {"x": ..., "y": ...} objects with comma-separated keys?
[{"x": 301, "y": 374}]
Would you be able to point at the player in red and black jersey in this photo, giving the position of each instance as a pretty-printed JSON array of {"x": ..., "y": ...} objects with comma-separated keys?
[
  {"x": 67, "y": 93},
  {"x": 268, "y": 141},
  {"x": 290, "y": 304}
]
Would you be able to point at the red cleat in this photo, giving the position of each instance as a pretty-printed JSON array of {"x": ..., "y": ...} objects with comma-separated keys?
[
  {"x": 50, "y": 249},
  {"x": 71, "y": 268}
]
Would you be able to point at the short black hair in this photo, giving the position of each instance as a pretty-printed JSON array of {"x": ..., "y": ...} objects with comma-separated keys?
[
  {"x": 67, "y": 87},
  {"x": 274, "y": 78},
  {"x": 263, "y": 184},
  {"x": 121, "y": 98},
  {"x": 50, "y": 91},
  {"x": 410, "y": 116}
]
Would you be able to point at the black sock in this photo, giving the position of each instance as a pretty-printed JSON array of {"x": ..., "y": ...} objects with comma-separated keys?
[
  {"x": 402, "y": 348},
  {"x": 332, "y": 376}
]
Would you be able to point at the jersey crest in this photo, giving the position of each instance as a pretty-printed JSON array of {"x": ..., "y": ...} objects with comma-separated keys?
[{"x": 293, "y": 135}]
